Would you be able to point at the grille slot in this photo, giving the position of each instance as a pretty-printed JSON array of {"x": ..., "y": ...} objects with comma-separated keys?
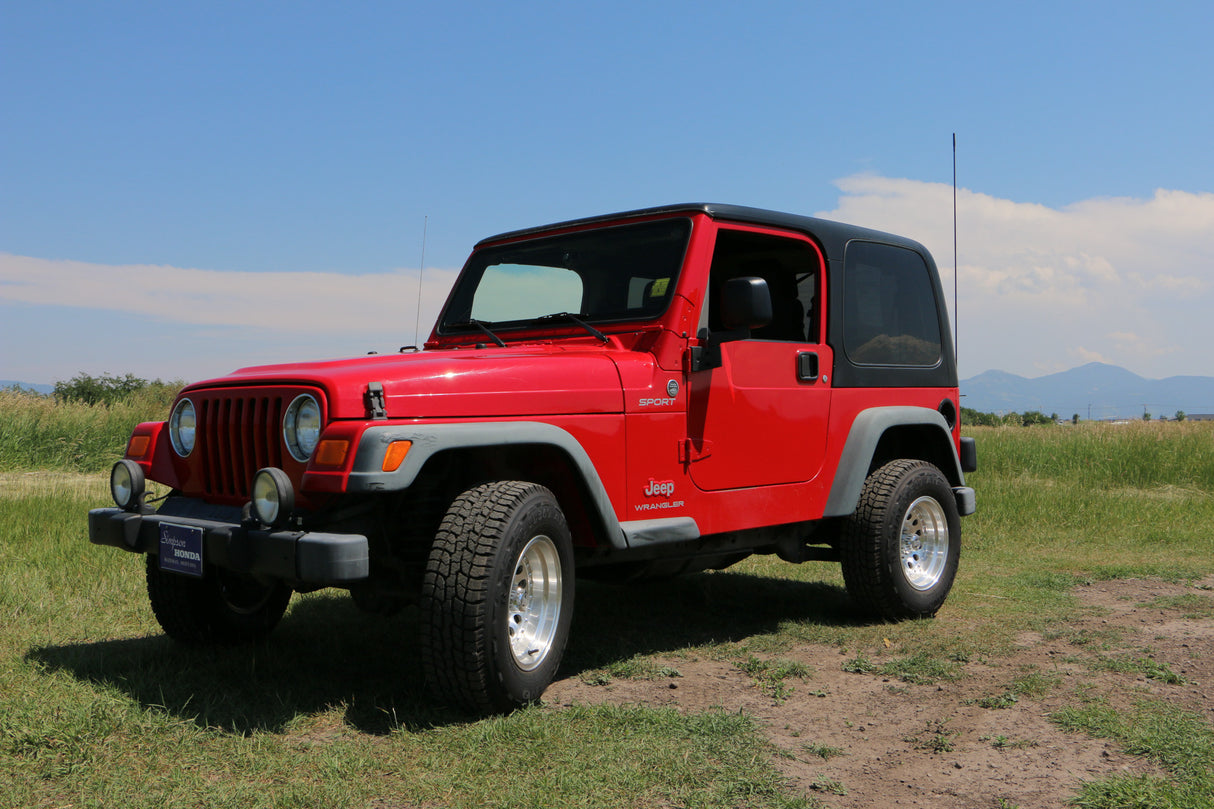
[{"x": 239, "y": 436}]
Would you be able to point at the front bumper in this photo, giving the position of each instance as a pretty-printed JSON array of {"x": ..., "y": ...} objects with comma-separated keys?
[{"x": 295, "y": 556}]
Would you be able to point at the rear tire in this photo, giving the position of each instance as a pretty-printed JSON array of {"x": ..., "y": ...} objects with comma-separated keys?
[
  {"x": 497, "y": 597},
  {"x": 223, "y": 607},
  {"x": 901, "y": 547}
]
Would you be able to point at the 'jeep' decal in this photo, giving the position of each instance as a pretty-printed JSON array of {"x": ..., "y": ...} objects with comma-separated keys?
[{"x": 659, "y": 488}]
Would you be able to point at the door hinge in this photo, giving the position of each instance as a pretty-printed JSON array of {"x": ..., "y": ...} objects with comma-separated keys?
[{"x": 692, "y": 450}]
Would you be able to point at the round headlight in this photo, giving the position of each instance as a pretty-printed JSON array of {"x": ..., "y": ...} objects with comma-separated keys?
[
  {"x": 126, "y": 484},
  {"x": 272, "y": 495},
  {"x": 301, "y": 427},
  {"x": 182, "y": 427}
]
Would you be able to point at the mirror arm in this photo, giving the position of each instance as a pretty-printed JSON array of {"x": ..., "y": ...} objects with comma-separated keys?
[{"x": 707, "y": 354}]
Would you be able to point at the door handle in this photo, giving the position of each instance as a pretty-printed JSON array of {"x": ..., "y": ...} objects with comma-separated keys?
[{"x": 807, "y": 366}]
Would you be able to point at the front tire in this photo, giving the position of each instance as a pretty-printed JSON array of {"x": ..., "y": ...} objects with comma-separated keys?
[
  {"x": 223, "y": 607},
  {"x": 901, "y": 547},
  {"x": 497, "y": 597}
]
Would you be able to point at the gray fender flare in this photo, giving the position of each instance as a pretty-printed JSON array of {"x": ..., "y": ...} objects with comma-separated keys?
[
  {"x": 866, "y": 432},
  {"x": 431, "y": 439}
]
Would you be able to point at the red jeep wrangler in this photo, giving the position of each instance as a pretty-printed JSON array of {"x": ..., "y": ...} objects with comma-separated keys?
[{"x": 642, "y": 394}]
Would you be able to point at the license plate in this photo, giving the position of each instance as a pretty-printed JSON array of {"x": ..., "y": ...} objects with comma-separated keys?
[{"x": 181, "y": 549}]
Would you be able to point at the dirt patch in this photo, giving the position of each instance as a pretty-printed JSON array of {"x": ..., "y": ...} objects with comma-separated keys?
[{"x": 983, "y": 740}]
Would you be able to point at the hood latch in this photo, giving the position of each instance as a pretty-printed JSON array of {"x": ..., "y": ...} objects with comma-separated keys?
[{"x": 377, "y": 406}]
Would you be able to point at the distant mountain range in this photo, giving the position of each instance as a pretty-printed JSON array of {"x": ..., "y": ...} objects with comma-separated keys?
[
  {"x": 8, "y": 383},
  {"x": 1095, "y": 391}
]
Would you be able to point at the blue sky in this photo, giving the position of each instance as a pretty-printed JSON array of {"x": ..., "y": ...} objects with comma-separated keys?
[{"x": 189, "y": 188}]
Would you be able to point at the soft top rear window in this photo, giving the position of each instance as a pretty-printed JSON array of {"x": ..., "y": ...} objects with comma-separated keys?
[{"x": 890, "y": 314}]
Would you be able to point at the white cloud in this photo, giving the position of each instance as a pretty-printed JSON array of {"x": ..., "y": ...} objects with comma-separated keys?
[
  {"x": 289, "y": 301},
  {"x": 1087, "y": 355},
  {"x": 177, "y": 323},
  {"x": 1125, "y": 281}
]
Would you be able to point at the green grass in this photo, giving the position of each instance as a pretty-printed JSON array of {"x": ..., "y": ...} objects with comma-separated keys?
[
  {"x": 936, "y": 737},
  {"x": 1189, "y": 605},
  {"x": 1177, "y": 740},
  {"x": 99, "y": 709},
  {"x": 771, "y": 676},
  {"x": 1136, "y": 664},
  {"x": 924, "y": 667},
  {"x": 1031, "y": 684},
  {"x": 637, "y": 667},
  {"x": 823, "y": 751},
  {"x": 1005, "y": 743}
]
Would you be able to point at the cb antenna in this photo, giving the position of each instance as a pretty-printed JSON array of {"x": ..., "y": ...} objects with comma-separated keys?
[
  {"x": 956, "y": 312},
  {"x": 421, "y": 269}
]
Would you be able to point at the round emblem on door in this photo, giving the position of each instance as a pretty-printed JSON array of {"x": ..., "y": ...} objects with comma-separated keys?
[{"x": 672, "y": 389}]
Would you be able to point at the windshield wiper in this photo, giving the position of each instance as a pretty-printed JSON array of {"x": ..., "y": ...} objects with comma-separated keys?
[
  {"x": 480, "y": 325},
  {"x": 572, "y": 318}
]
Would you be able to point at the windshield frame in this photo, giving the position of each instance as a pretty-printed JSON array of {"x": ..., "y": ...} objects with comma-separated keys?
[{"x": 652, "y": 255}]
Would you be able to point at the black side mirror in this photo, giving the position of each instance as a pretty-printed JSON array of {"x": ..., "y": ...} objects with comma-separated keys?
[{"x": 745, "y": 303}]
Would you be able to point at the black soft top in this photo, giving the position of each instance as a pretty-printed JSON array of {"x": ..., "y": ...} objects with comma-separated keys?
[{"x": 833, "y": 236}]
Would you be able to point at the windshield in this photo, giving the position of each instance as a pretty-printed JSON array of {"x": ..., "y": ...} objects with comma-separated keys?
[{"x": 616, "y": 273}]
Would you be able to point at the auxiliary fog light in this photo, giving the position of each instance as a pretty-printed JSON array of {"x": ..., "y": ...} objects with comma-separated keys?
[
  {"x": 127, "y": 485},
  {"x": 273, "y": 496}
]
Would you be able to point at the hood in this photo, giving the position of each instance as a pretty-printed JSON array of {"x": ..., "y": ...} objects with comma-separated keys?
[{"x": 463, "y": 383}]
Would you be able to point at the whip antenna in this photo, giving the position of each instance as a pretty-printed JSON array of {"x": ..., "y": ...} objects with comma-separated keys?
[
  {"x": 421, "y": 269},
  {"x": 956, "y": 313}
]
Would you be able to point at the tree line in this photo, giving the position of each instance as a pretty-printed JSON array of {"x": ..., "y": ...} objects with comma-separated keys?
[
  {"x": 1033, "y": 418},
  {"x": 106, "y": 389}
]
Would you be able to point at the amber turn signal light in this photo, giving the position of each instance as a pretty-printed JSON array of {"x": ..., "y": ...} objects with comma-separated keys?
[
  {"x": 395, "y": 455},
  {"x": 331, "y": 452},
  {"x": 138, "y": 446}
]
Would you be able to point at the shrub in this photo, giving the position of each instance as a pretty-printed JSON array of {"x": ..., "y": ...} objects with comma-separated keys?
[{"x": 104, "y": 389}]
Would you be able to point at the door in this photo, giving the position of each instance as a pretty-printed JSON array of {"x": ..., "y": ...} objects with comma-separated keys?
[{"x": 759, "y": 418}]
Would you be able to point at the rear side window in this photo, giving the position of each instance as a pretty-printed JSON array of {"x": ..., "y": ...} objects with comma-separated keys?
[{"x": 889, "y": 307}]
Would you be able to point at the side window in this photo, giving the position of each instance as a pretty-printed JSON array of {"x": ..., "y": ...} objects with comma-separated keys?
[
  {"x": 790, "y": 267},
  {"x": 889, "y": 307}
]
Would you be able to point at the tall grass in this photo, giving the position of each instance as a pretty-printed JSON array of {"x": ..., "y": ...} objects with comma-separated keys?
[
  {"x": 1105, "y": 456},
  {"x": 1094, "y": 500},
  {"x": 36, "y": 432}
]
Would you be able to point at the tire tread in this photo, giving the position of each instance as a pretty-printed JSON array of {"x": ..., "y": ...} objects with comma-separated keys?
[
  {"x": 456, "y": 592},
  {"x": 193, "y": 611},
  {"x": 866, "y": 568}
]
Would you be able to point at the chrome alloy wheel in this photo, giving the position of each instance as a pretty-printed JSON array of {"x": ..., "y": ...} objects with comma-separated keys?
[
  {"x": 923, "y": 548},
  {"x": 533, "y": 608}
]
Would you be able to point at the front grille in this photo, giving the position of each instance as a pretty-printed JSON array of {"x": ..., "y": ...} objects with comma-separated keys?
[{"x": 239, "y": 432}]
